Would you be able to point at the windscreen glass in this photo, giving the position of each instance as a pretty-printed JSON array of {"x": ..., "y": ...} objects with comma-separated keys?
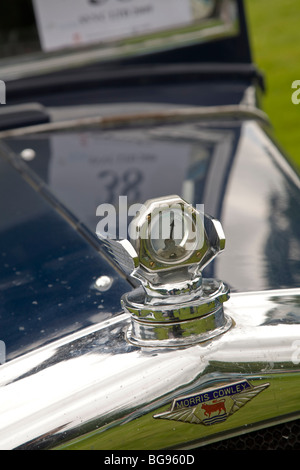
[{"x": 112, "y": 28}]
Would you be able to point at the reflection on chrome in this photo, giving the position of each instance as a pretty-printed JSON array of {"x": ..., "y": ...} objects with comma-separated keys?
[{"x": 76, "y": 392}]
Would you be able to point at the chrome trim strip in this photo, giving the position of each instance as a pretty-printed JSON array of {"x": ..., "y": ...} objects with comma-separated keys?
[{"x": 239, "y": 111}]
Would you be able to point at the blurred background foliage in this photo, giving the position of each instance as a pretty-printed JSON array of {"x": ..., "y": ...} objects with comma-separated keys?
[{"x": 274, "y": 29}]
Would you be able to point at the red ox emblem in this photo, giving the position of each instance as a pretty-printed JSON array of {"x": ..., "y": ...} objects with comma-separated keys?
[{"x": 217, "y": 406}]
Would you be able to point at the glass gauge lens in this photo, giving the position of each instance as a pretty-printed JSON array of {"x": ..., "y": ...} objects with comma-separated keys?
[{"x": 172, "y": 235}]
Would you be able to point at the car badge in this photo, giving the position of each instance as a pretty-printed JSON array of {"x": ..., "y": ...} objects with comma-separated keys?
[
  {"x": 169, "y": 245},
  {"x": 213, "y": 405}
]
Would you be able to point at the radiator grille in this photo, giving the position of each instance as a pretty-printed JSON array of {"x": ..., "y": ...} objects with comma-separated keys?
[{"x": 284, "y": 436}]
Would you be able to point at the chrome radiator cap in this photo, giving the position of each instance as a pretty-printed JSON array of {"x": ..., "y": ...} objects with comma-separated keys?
[{"x": 170, "y": 244}]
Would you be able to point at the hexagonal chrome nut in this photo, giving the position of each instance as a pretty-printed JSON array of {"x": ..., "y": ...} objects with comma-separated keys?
[
  {"x": 168, "y": 233},
  {"x": 171, "y": 242}
]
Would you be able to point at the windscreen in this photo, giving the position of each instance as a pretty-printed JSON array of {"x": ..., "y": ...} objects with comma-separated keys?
[{"x": 108, "y": 29}]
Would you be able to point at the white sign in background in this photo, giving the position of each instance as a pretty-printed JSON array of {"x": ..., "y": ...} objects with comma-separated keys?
[{"x": 65, "y": 23}]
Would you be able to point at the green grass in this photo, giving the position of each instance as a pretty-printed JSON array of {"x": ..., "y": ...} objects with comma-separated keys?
[{"x": 274, "y": 29}]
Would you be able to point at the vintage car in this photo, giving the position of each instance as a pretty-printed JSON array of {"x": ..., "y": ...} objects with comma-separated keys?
[{"x": 144, "y": 114}]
